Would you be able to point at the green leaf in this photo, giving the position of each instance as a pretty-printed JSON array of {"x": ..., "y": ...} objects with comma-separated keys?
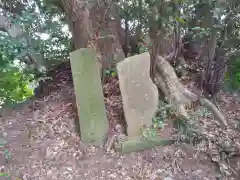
[
  {"x": 114, "y": 74},
  {"x": 7, "y": 154},
  {"x": 180, "y": 20},
  {"x": 107, "y": 71},
  {"x": 197, "y": 28},
  {"x": 19, "y": 179},
  {"x": 218, "y": 26},
  {"x": 161, "y": 124},
  {"x": 153, "y": 132},
  {"x": 3, "y": 142},
  {"x": 4, "y": 174}
]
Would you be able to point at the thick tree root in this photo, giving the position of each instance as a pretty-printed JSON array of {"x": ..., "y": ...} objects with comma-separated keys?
[
  {"x": 176, "y": 94},
  {"x": 217, "y": 114}
]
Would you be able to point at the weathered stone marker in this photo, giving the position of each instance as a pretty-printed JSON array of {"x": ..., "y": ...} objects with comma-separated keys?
[
  {"x": 139, "y": 93},
  {"x": 89, "y": 96},
  {"x": 140, "y": 101}
]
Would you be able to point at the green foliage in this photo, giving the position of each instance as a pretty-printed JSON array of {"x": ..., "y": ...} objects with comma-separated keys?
[
  {"x": 201, "y": 112},
  {"x": 5, "y": 152},
  {"x": 44, "y": 30},
  {"x": 189, "y": 129},
  {"x": 2, "y": 174},
  {"x": 110, "y": 72},
  {"x": 162, "y": 114},
  {"x": 144, "y": 48},
  {"x": 158, "y": 120},
  {"x": 44, "y": 34},
  {"x": 232, "y": 77},
  {"x": 14, "y": 85},
  {"x": 9, "y": 49},
  {"x": 7, "y": 155},
  {"x": 3, "y": 142},
  {"x": 149, "y": 132}
]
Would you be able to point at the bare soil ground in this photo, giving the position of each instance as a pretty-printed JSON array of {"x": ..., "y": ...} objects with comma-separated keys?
[{"x": 42, "y": 142}]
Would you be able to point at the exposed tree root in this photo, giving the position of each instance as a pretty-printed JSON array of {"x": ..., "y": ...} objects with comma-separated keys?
[
  {"x": 217, "y": 114},
  {"x": 176, "y": 94}
]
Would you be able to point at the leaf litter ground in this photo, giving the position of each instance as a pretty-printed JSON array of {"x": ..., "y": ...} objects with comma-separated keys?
[{"x": 39, "y": 141}]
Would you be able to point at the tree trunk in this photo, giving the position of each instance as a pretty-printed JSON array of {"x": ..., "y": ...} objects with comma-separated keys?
[
  {"x": 176, "y": 94},
  {"x": 165, "y": 78},
  {"x": 94, "y": 25},
  {"x": 78, "y": 21}
]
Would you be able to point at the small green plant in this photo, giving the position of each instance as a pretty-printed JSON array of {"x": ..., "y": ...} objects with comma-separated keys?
[
  {"x": 7, "y": 175},
  {"x": 164, "y": 109},
  {"x": 7, "y": 155},
  {"x": 110, "y": 72},
  {"x": 189, "y": 129},
  {"x": 5, "y": 152},
  {"x": 158, "y": 120},
  {"x": 3, "y": 142},
  {"x": 143, "y": 48},
  {"x": 202, "y": 112},
  {"x": 232, "y": 76},
  {"x": 3, "y": 174},
  {"x": 149, "y": 132}
]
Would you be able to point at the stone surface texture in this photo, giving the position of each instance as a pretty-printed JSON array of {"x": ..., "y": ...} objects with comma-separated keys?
[
  {"x": 89, "y": 96},
  {"x": 139, "y": 93}
]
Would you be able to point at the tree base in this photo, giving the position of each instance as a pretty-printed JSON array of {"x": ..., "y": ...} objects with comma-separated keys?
[{"x": 176, "y": 94}]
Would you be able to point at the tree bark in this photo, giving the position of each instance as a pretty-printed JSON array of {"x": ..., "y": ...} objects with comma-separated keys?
[
  {"x": 94, "y": 25},
  {"x": 78, "y": 21},
  {"x": 176, "y": 94}
]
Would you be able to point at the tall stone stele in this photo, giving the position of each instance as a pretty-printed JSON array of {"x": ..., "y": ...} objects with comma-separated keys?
[
  {"x": 139, "y": 93},
  {"x": 89, "y": 96}
]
